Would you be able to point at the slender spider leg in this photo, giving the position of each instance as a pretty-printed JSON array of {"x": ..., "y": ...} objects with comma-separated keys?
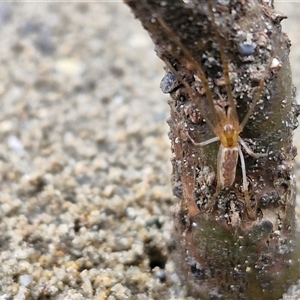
[
  {"x": 196, "y": 64},
  {"x": 190, "y": 92},
  {"x": 260, "y": 88},
  {"x": 250, "y": 151},
  {"x": 224, "y": 61},
  {"x": 214, "y": 139},
  {"x": 249, "y": 209}
]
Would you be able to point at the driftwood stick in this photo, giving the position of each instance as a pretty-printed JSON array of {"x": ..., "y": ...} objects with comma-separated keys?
[{"x": 234, "y": 251}]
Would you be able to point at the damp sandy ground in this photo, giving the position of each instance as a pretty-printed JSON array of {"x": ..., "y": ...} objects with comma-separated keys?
[{"x": 84, "y": 155}]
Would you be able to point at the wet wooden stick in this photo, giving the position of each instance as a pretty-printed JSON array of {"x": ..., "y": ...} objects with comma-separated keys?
[{"x": 224, "y": 252}]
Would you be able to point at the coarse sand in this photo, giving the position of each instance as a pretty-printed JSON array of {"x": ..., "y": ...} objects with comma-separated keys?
[{"x": 84, "y": 156}]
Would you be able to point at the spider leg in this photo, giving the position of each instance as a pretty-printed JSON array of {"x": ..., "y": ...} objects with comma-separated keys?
[
  {"x": 250, "y": 151},
  {"x": 250, "y": 211},
  {"x": 209, "y": 141}
]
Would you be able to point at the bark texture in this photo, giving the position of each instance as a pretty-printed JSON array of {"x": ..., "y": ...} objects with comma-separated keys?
[{"x": 225, "y": 254}]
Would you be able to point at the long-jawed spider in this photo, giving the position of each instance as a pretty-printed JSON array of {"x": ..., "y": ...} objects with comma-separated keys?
[{"x": 225, "y": 123}]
